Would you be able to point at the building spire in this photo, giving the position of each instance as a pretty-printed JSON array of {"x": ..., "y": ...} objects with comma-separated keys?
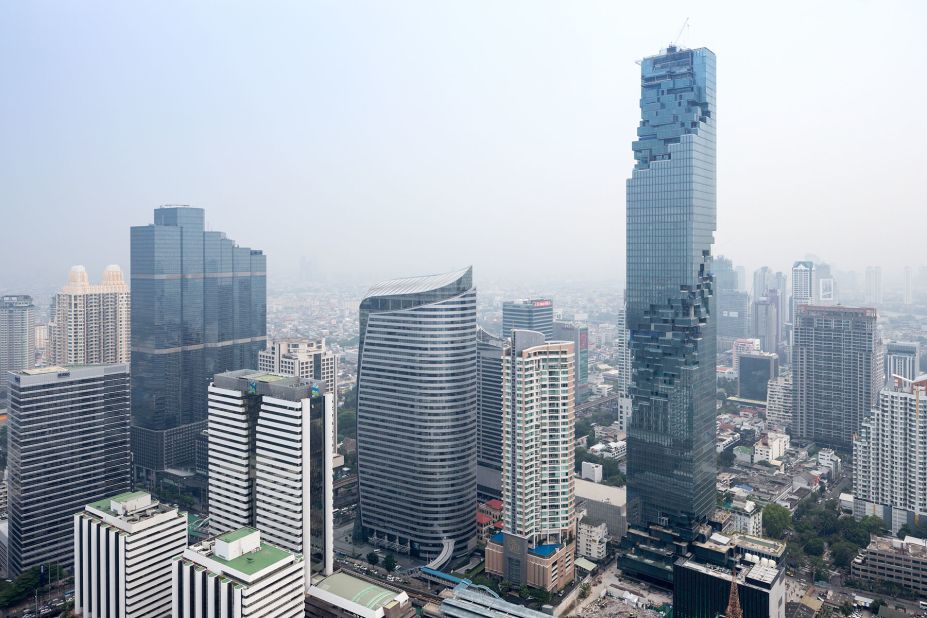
[{"x": 733, "y": 601}]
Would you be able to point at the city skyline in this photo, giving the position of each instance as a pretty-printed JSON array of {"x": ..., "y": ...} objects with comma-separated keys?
[{"x": 530, "y": 121}]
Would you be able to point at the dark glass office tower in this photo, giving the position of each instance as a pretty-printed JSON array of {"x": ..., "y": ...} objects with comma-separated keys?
[
  {"x": 535, "y": 314},
  {"x": 489, "y": 415},
  {"x": 199, "y": 308},
  {"x": 670, "y": 226},
  {"x": 68, "y": 447},
  {"x": 416, "y": 415}
]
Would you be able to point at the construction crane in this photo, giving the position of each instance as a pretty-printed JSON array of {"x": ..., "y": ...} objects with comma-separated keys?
[{"x": 685, "y": 25}]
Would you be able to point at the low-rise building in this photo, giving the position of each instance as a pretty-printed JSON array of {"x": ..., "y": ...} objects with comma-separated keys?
[
  {"x": 467, "y": 601},
  {"x": 771, "y": 447},
  {"x": 237, "y": 575},
  {"x": 546, "y": 566},
  {"x": 123, "y": 550},
  {"x": 591, "y": 538},
  {"x": 747, "y": 516},
  {"x": 827, "y": 458},
  {"x": 604, "y": 502},
  {"x": 896, "y": 561},
  {"x": 341, "y": 595},
  {"x": 592, "y": 472}
]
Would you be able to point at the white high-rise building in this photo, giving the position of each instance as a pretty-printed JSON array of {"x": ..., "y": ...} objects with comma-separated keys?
[
  {"x": 873, "y": 285},
  {"x": 238, "y": 575},
  {"x": 92, "y": 322},
  {"x": 890, "y": 456},
  {"x": 623, "y": 353},
  {"x": 302, "y": 358},
  {"x": 124, "y": 547},
  {"x": 537, "y": 462},
  {"x": 267, "y": 466},
  {"x": 779, "y": 402},
  {"x": 17, "y": 338},
  {"x": 803, "y": 286}
]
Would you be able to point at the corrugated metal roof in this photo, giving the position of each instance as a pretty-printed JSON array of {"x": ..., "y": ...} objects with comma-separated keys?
[{"x": 415, "y": 285}]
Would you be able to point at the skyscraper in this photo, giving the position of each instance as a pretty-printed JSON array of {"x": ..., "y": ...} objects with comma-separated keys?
[
  {"x": 765, "y": 321},
  {"x": 874, "y": 285},
  {"x": 17, "y": 338},
  {"x": 270, "y": 462},
  {"x": 803, "y": 285},
  {"x": 836, "y": 372},
  {"x": 902, "y": 358},
  {"x": 91, "y": 324},
  {"x": 908, "y": 297},
  {"x": 623, "y": 353},
  {"x": 199, "y": 307},
  {"x": 890, "y": 456},
  {"x": 69, "y": 446},
  {"x": 489, "y": 415},
  {"x": 779, "y": 402},
  {"x": 671, "y": 216},
  {"x": 124, "y": 548},
  {"x": 528, "y": 313},
  {"x": 579, "y": 335},
  {"x": 416, "y": 415},
  {"x": 536, "y": 546}
]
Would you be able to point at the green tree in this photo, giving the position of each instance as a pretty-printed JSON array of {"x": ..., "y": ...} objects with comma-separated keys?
[
  {"x": 584, "y": 589},
  {"x": 875, "y": 605},
  {"x": 846, "y": 609},
  {"x": 726, "y": 458},
  {"x": 389, "y": 563},
  {"x": 815, "y": 547},
  {"x": 842, "y": 553},
  {"x": 373, "y": 558},
  {"x": 776, "y": 520}
]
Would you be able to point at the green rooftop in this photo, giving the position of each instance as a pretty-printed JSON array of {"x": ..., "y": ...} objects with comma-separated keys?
[
  {"x": 104, "y": 504},
  {"x": 357, "y": 590},
  {"x": 234, "y": 535}
]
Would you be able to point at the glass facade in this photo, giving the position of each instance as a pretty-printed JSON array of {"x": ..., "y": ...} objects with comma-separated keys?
[
  {"x": 417, "y": 415},
  {"x": 199, "y": 308},
  {"x": 535, "y": 314},
  {"x": 671, "y": 206}
]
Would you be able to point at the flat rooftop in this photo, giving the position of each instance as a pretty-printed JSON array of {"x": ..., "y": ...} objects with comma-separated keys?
[
  {"x": 587, "y": 490},
  {"x": 357, "y": 590}
]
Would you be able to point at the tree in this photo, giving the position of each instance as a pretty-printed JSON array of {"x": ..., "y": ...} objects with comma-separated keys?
[
  {"x": 875, "y": 605},
  {"x": 389, "y": 563},
  {"x": 726, "y": 458},
  {"x": 584, "y": 590},
  {"x": 815, "y": 547},
  {"x": 776, "y": 520},
  {"x": 842, "y": 553},
  {"x": 373, "y": 558},
  {"x": 846, "y": 609}
]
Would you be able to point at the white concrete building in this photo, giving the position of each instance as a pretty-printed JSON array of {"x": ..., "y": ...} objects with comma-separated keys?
[
  {"x": 592, "y": 472},
  {"x": 829, "y": 459},
  {"x": 779, "y": 402},
  {"x": 123, "y": 550},
  {"x": 890, "y": 456},
  {"x": 747, "y": 517},
  {"x": 770, "y": 447},
  {"x": 237, "y": 575},
  {"x": 92, "y": 322},
  {"x": 270, "y": 462},
  {"x": 591, "y": 538},
  {"x": 743, "y": 346},
  {"x": 312, "y": 360}
]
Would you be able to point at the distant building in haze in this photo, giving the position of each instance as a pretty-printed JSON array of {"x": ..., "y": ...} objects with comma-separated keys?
[
  {"x": 529, "y": 314},
  {"x": 733, "y": 304},
  {"x": 836, "y": 372},
  {"x": 199, "y": 307},
  {"x": 803, "y": 287},
  {"x": 902, "y": 358},
  {"x": 908, "y": 297},
  {"x": 579, "y": 335},
  {"x": 312, "y": 360},
  {"x": 417, "y": 415},
  {"x": 874, "y": 285},
  {"x": 91, "y": 323},
  {"x": 17, "y": 338},
  {"x": 766, "y": 323},
  {"x": 536, "y": 546},
  {"x": 756, "y": 370},
  {"x": 68, "y": 447}
]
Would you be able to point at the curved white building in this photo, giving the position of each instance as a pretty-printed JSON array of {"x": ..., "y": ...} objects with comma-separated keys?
[{"x": 416, "y": 414}]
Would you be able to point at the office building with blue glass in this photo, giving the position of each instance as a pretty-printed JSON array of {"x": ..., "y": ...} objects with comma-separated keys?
[
  {"x": 199, "y": 308},
  {"x": 671, "y": 206}
]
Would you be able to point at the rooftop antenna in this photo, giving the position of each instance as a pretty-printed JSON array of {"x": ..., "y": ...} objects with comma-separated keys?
[{"x": 685, "y": 25}]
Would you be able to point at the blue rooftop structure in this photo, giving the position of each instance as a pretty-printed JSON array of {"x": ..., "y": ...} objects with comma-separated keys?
[{"x": 545, "y": 550}]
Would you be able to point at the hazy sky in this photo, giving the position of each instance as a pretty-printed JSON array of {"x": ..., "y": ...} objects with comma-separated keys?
[{"x": 384, "y": 139}]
